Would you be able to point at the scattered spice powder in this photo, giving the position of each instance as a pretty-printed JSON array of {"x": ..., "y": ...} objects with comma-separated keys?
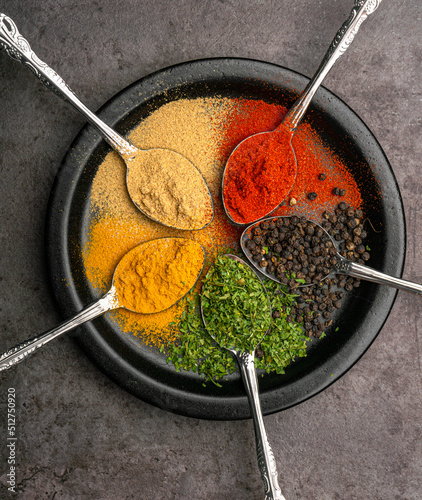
[
  {"x": 156, "y": 274},
  {"x": 312, "y": 157}
]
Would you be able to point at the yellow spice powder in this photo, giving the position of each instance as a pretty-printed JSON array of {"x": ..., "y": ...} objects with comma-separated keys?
[{"x": 155, "y": 275}]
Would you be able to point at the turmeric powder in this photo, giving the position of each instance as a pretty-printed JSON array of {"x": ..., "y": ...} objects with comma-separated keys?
[{"x": 155, "y": 275}]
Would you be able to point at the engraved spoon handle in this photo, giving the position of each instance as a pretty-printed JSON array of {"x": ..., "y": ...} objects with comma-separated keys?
[
  {"x": 367, "y": 273},
  {"x": 20, "y": 352},
  {"x": 266, "y": 461},
  {"x": 18, "y": 48},
  {"x": 344, "y": 37}
]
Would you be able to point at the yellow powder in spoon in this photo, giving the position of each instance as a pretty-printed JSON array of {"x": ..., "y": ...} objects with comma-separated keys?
[{"x": 155, "y": 275}]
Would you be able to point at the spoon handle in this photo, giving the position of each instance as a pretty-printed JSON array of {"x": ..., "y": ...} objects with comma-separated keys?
[
  {"x": 18, "y": 48},
  {"x": 344, "y": 37},
  {"x": 266, "y": 461},
  {"x": 369, "y": 274},
  {"x": 20, "y": 352}
]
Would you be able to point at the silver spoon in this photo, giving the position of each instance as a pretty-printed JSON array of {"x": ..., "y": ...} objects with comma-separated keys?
[
  {"x": 111, "y": 300},
  {"x": 245, "y": 360},
  {"x": 285, "y": 131},
  {"x": 343, "y": 266},
  {"x": 166, "y": 167}
]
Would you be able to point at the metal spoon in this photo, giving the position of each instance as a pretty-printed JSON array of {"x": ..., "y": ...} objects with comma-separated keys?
[
  {"x": 164, "y": 165},
  {"x": 344, "y": 266},
  {"x": 108, "y": 302},
  {"x": 285, "y": 131},
  {"x": 245, "y": 360}
]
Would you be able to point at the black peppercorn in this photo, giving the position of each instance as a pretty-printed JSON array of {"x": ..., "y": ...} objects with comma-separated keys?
[
  {"x": 365, "y": 256},
  {"x": 296, "y": 245}
]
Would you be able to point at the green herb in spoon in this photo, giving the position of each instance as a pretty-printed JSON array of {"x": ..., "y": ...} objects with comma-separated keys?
[{"x": 237, "y": 314}]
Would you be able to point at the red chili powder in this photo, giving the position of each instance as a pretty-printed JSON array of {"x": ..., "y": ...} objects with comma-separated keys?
[
  {"x": 260, "y": 173},
  {"x": 312, "y": 155}
]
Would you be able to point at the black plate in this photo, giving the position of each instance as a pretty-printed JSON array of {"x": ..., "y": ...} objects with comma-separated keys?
[{"x": 144, "y": 372}]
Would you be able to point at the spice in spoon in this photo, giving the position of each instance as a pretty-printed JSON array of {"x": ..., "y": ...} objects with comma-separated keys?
[
  {"x": 177, "y": 195},
  {"x": 137, "y": 274},
  {"x": 259, "y": 175},
  {"x": 155, "y": 275},
  {"x": 235, "y": 305},
  {"x": 295, "y": 252},
  {"x": 196, "y": 351},
  {"x": 156, "y": 179}
]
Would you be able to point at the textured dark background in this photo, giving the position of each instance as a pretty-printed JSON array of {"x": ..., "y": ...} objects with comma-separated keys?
[{"x": 81, "y": 436}]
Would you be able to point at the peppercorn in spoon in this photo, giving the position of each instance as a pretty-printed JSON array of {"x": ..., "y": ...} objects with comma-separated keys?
[
  {"x": 251, "y": 184},
  {"x": 312, "y": 241},
  {"x": 237, "y": 314},
  {"x": 147, "y": 280},
  {"x": 163, "y": 184}
]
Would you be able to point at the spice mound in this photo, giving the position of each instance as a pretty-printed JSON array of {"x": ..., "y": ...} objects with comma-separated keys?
[
  {"x": 260, "y": 174},
  {"x": 235, "y": 305},
  {"x": 168, "y": 188},
  {"x": 155, "y": 275}
]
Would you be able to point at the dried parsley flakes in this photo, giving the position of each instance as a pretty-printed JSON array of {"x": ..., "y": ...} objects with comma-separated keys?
[
  {"x": 235, "y": 305},
  {"x": 195, "y": 350}
]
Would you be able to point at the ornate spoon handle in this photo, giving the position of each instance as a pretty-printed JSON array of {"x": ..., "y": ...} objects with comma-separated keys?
[
  {"x": 18, "y": 48},
  {"x": 344, "y": 37},
  {"x": 20, "y": 352},
  {"x": 266, "y": 461}
]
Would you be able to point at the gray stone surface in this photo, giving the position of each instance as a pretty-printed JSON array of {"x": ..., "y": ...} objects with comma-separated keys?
[{"x": 81, "y": 436}]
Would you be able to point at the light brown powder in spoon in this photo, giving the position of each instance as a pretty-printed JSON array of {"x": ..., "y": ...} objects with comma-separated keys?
[{"x": 177, "y": 196}]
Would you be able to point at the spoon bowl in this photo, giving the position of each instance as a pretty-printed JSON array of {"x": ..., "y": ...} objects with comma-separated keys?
[
  {"x": 337, "y": 263},
  {"x": 116, "y": 297},
  {"x": 268, "y": 161},
  {"x": 253, "y": 171},
  {"x": 245, "y": 360},
  {"x": 166, "y": 187},
  {"x": 221, "y": 341}
]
